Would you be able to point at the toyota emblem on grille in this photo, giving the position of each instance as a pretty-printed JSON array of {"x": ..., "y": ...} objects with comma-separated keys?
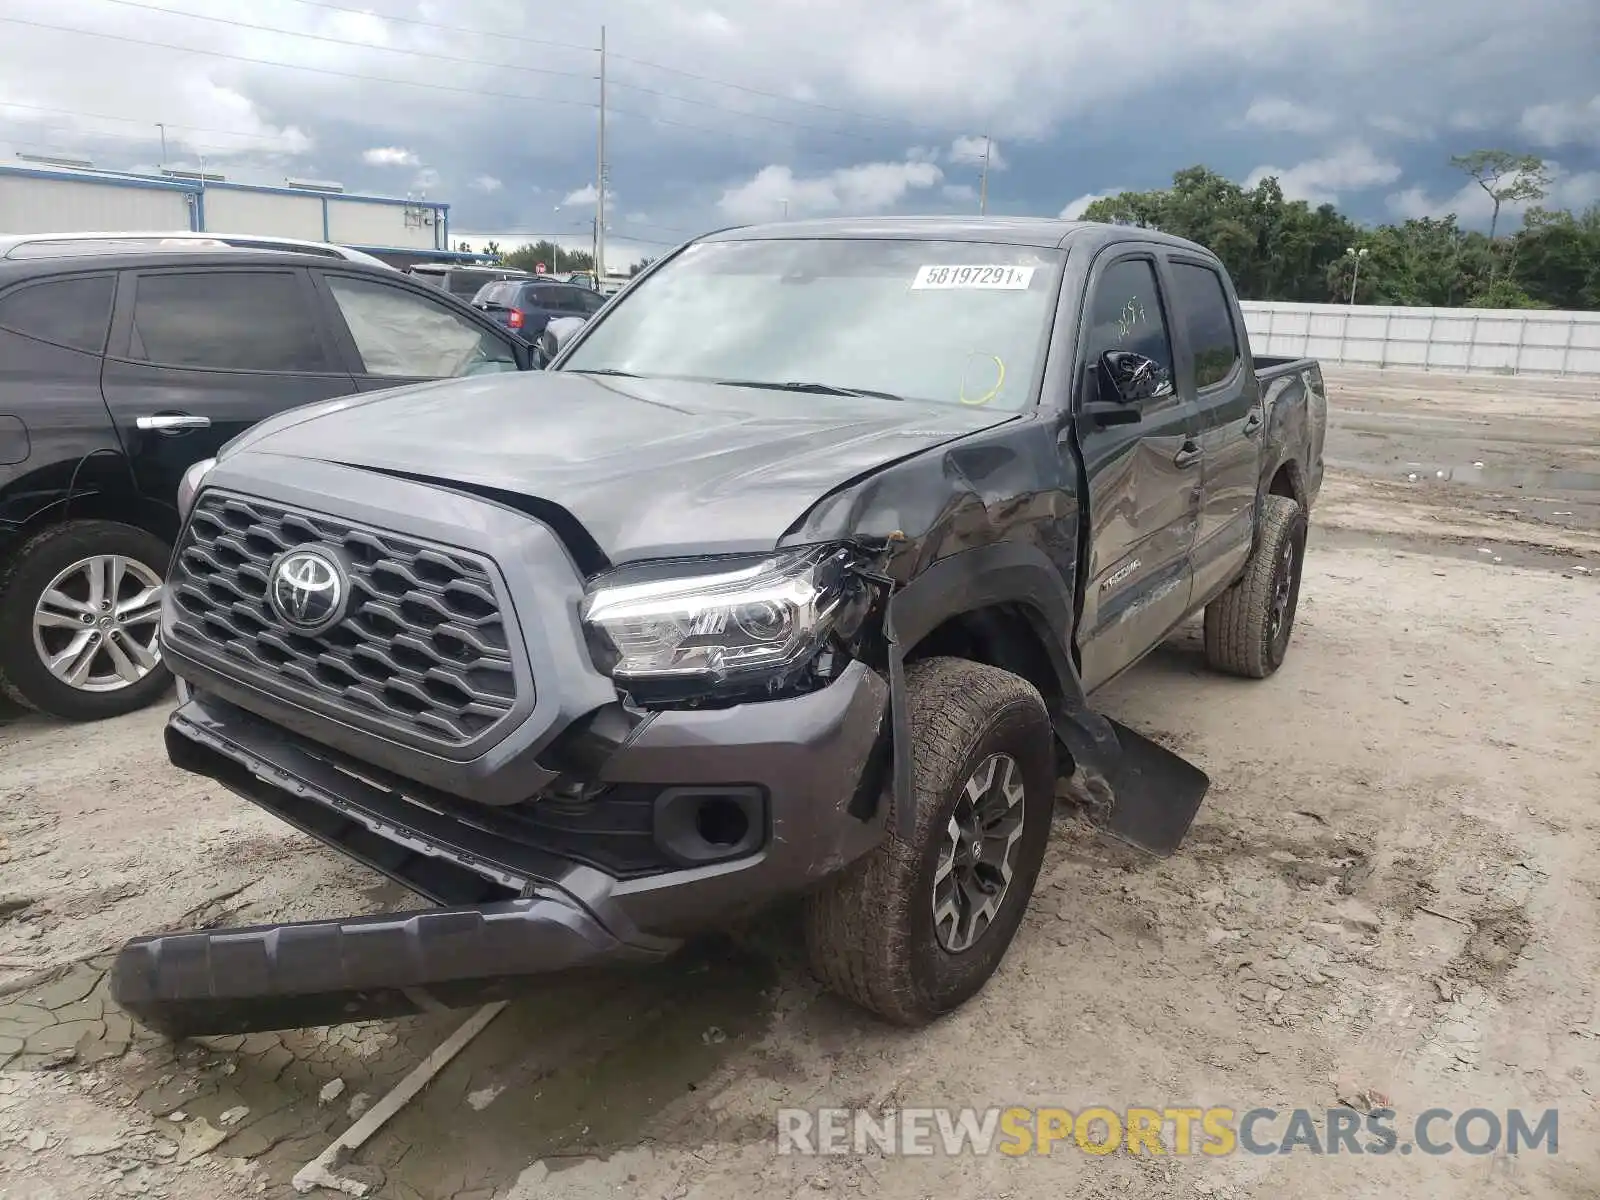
[{"x": 307, "y": 588}]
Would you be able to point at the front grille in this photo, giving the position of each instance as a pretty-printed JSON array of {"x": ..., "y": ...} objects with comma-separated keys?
[{"x": 422, "y": 646}]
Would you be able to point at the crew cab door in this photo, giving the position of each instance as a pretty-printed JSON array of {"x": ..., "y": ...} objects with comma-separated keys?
[
  {"x": 1215, "y": 374},
  {"x": 198, "y": 355},
  {"x": 1143, "y": 478},
  {"x": 394, "y": 333}
]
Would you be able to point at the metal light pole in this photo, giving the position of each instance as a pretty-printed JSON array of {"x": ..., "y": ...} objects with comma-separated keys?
[
  {"x": 785, "y": 203},
  {"x": 163, "y": 130},
  {"x": 600, "y": 173},
  {"x": 1355, "y": 276},
  {"x": 983, "y": 182}
]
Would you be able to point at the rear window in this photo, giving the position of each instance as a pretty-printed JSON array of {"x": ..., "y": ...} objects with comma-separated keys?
[
  {"x": 70, "y": 312},
  {"x": 1203, "y": 307},
  {"x": 226, "y": 321},
  {"x": 466, "y": 283}
]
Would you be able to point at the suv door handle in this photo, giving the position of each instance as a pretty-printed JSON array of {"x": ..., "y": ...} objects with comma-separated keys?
[
  {"x": 171, "y": 422},
  {"x": 1188, "y": 455},
  {"x": 1253, "y": 423}
]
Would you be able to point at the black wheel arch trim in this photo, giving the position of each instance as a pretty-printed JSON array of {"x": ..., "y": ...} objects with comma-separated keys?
[{"x": 1007, "y": 573}]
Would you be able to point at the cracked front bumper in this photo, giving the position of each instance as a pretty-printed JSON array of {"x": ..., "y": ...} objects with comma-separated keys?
[{"x": 513, "y": 908}]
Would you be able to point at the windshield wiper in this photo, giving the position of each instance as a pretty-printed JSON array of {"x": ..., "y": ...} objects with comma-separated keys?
[
  {"x": 817, "y": 389},
  {"x": 600, "y": 371}
]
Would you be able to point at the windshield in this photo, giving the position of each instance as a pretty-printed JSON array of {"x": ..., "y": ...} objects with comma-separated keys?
[{"x": 951, "y": 322}]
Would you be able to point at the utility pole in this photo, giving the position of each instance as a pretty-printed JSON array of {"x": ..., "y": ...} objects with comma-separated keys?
[
  {"x": 983, "y": 183},
  {"x": 600, "y": 174},
  {"x": 163, "y": 130}
]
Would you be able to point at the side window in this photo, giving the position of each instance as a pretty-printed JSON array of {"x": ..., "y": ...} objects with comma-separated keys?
[
  {"x": 226, "y": 321},
  {"x": 548, "y": 298},
  {"x": 65, "y": 312},
  {"x": 1208, "y": 320},
  {"x": 591, "y": 302},
  {"x": 1126, "y": 314},
  {"x": 398, "y": 332}
]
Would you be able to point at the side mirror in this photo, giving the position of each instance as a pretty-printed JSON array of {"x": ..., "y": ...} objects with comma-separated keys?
[
  {"x": 557, "y": 333},
  {"x": 1131, "y": 377}
]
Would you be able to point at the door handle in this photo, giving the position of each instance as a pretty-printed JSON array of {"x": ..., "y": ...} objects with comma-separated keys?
[
  {"x": 1188, "y": 455},
  {"x": 171, "y": 422},
  {"x": 1253, "y": 423}
]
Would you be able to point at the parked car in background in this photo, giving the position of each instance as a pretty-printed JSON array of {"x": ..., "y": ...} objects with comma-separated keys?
[
  {"x": 525, "y": 307},
  {"x": 462, "y": 282},
  {"x": 60, "y": 245},
  {"x": 118, "y": 372}
]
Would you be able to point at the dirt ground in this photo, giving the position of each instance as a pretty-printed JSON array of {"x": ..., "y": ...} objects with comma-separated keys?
[{"x": 1392, "y": 892}]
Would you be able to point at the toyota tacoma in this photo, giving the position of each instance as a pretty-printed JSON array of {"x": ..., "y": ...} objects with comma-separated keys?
[{"x": 791, "y": 575}]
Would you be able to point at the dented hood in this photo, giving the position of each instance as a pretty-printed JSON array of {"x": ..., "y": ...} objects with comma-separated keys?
[{"x": 649, "y": 467}]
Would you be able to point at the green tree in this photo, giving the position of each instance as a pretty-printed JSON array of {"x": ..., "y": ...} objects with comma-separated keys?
[
  {"x": 464, "y": 247},
  {"x": 1504, "y": 177},
  {"x": 1278, "y": 249},
  {"x": 639, "y": 266},
  {"x": 1555, "y": 257},
  {"x": 556, "y": 259},
  {"x": 492, "y": 249}
]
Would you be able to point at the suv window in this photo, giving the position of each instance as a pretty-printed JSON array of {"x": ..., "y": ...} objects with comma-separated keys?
[
  {"x": 65, "y": 312},
  {"x": 466, "y": 283},
  {"x": 1127, "y": 315},
  {"x": 226, "y": 321},
  {"x": 590, "y": 302},
  {"x": 400, "y": 333},
  {"x": 1208, "y": 320}
]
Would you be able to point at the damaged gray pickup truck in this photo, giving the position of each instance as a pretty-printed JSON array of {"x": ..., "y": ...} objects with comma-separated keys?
[{"x": 790, "y": 576}]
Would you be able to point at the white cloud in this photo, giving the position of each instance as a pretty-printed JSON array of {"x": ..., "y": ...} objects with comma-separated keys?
[
  {"x": 585, "y": 197},
  {"x": 1352, "y": 167},
  {"x": 425, "y": 179},
  {"x": 1278, "y": 115},
  {"x": 963, "y": 193},
  {"x": 1566, "y": 124},
  {"x": 1076, "y": 208},
  {"x": 487, "y": 184},
  {"x": 968, "y": 150},
  {"x": 1400, "y": 127},
  {"x": 864, "y": 188},
  {"x": 1472, "y": 207},
  {"x": 389, "y": 156}
]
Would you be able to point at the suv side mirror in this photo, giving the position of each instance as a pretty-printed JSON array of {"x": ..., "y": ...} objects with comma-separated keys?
[{"x": 557, "y": 333}]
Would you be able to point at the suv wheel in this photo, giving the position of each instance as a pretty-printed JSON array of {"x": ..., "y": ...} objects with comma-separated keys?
[
  {"x": 1247, "y": 628},
  {"x": 915, "y": 928},
  {"x": 80, "y": 608}
]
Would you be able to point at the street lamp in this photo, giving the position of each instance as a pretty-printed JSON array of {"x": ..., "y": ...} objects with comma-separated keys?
[
  {"x": 1357, "y": 256},
  {"x": 785, "y": 203}
]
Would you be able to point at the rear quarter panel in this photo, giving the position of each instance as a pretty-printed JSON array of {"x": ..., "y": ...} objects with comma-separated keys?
[{"x": 1296, "y": 405}]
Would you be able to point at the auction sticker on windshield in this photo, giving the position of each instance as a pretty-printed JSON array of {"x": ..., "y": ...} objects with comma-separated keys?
[{"x": 997, "y": 278}]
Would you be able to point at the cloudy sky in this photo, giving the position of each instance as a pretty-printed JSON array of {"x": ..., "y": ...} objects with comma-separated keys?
[{"x": 741, "y": 110}]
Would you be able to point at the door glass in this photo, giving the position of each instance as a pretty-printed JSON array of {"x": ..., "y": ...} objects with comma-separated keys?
[
  {"x": 1127, "y": 315},
  {"x": 66, "y": 312},
  {"x": 400, "y": 333},
  {"x": 1208, "y": 319},
  {"x": 226, "y": 321},
  {"x": 589, "y": 303}
]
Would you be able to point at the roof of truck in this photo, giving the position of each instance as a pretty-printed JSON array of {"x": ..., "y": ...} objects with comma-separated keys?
[{"x": 1016, "y": 231}]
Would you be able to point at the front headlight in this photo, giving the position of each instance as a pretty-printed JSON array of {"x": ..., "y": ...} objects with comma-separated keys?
[
  {"x": 189, "y": 485},
  {"x": 749, "y": 628}
]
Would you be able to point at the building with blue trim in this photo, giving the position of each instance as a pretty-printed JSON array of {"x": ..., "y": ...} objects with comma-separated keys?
[{"x": 62, "y": 199}]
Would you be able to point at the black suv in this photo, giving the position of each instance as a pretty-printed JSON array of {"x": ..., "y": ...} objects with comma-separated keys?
[
  {"x": 119, "y": 372},
  {"x": 526, "y": 308}
]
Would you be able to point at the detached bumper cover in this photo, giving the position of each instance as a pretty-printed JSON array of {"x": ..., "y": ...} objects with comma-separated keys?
[
  {"x": 511, "y": 909},
  {"x": 327, "y": 972}
]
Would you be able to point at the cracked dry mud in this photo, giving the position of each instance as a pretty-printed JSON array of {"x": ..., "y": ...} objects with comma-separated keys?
[{"x": 1393, "y": 889}]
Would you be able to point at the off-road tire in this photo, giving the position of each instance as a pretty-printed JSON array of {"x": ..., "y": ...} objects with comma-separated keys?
[
  {"x": 24, "y": 576},
  {"x": 870, "y": 930},
  {"x": 1239, "y": 634}
]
